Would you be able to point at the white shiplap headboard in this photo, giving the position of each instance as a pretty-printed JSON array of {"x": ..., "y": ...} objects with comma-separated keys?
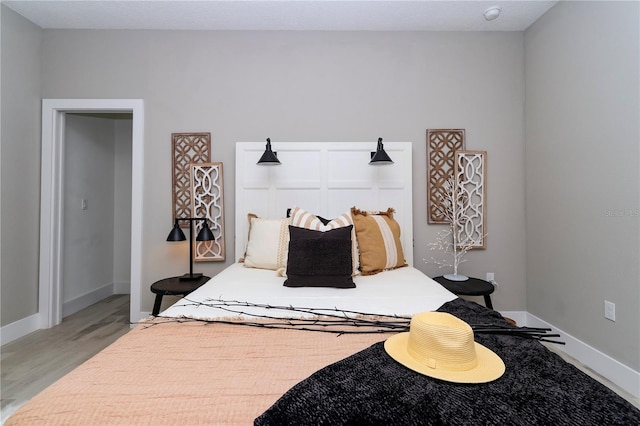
[{"x": 324, "y": 178}]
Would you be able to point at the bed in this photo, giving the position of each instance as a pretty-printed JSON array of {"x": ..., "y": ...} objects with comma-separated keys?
[{"x": 266, "y": 340}]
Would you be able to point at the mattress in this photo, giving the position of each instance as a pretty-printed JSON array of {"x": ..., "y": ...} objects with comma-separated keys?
[{"x": 402, "y": 291}]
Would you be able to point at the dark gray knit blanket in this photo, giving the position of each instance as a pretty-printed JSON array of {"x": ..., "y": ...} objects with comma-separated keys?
[{"x": 370, "y": 388}]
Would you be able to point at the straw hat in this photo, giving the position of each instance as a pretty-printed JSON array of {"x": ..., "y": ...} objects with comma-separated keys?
[{"x": 440, "y": 345}]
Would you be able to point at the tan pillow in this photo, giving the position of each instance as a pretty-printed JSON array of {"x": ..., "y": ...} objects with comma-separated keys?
[
  {"x": 379, "y": 243},
  {"x": 268, "y": 243},
  {"x": 304, "y": 219}
]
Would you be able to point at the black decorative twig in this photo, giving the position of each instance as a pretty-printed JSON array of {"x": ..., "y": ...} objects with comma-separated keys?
[
  {"x": 334, "y": 320},
  {"x": 342, "y": 313},
  {"x": 329, "y": 315}
]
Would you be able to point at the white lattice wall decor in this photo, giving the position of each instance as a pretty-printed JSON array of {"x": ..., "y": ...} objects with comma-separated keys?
[
  {"x": 470, "y": 174},
  {"x": 207, "y": 201}
]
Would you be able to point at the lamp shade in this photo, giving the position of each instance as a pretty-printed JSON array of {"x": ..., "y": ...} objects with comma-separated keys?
[
  {"x": 176, "y": 233},
  {"x": 205, "y": 233},
  {"x": 380, "y": 157},
  {"x": 269, "y": 158}
]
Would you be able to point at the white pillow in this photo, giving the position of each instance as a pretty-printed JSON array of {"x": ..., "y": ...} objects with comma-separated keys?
[
  {"x": 268, "y": 243},
  {"x": 304, "y": 219}
]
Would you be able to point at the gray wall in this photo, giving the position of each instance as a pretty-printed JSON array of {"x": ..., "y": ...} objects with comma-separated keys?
[
  {"x": 20, "y": 155},
  {"x": 246, "y": 86},
  {"x": 582, "y": 179},
  {"x": 89, "y": 234}
]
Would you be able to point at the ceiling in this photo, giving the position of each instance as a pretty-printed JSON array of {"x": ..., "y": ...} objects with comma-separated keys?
[{"x": 324, "y": 15}]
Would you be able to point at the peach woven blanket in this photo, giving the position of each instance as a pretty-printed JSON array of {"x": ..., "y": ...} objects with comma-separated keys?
[{"x": 187, "y": 373}]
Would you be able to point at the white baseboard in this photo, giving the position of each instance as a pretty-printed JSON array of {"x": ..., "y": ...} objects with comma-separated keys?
[
  {"x": 24, "y": 326},
  {"x": 621, "y": 375},
  {"x": 20, "y": 328},
  {"x": 122, "y": 287},
  {"x": 77, "y": 304}
]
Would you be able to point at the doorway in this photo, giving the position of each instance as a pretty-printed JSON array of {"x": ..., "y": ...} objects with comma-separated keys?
[
  {"x": 52, "y": 227},
  {"x": 97, "y": 208}
]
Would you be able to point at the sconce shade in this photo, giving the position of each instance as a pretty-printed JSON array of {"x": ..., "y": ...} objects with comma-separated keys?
[
  {"x": 380, "y": 157},
  {"x": 205, "y": 233},
  {"x": 269, "y": 158},
  {"x": 176, "y": 233}
]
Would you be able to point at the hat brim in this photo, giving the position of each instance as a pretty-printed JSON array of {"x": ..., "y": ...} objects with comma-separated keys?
[{"x": 490, "y": 366}]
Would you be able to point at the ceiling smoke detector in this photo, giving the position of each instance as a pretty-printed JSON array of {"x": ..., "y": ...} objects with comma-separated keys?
[{"x": 492, "y": 13}]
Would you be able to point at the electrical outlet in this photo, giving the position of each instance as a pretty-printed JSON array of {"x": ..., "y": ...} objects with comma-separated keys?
[
  {"x": 84, "y": 204},
  {"x": 609, "y": 310},
  {"x": 491, "y": 277}
]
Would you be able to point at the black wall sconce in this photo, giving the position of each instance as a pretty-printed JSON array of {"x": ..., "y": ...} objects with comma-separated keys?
[
  {"x": 205, "y": 234},
  {"x": 269, "y": 158},
  {"x": 380, "y": 157}
]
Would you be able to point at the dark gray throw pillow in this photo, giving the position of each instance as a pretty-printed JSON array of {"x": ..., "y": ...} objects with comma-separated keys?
[{"x": 319, "y": 259}]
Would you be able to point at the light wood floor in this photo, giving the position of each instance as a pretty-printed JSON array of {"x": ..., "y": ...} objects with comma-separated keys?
[{"x": 35, "y": 361}]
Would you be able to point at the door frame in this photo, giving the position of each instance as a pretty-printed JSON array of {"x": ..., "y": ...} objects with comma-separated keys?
[{"x": 51, "y": 200}]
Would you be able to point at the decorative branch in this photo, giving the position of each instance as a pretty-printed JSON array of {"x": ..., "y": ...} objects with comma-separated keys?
[
  {"x": 333, "y": 320},
  {"x": 452, "y": 208},
  {"x": 539, "y": 334},
  {"x": 332, "y": 316}
]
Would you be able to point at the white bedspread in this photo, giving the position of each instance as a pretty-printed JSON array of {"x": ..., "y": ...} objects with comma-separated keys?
[{"x": 403, "y": 291}]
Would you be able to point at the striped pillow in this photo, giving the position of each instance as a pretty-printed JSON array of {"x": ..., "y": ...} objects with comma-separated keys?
[
  {"x": 379, "y": 243},
  {"x": 304, "y": 219}
]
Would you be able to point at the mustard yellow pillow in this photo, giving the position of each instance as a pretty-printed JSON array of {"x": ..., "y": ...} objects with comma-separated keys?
[{"x": 379, "y": 243}]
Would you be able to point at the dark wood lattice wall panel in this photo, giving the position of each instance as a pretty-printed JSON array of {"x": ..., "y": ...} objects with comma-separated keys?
[
  {"x": 441, "y": 147},
  {"x": 187, "y": 148}
]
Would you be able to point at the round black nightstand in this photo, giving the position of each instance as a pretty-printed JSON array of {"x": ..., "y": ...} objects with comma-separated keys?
[
  {"x": 174, "y": 286},
  {"x": 470, "y": 287}
]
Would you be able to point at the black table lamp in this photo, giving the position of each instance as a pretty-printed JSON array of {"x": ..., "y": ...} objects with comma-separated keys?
[{"x": 205, "y": 234}]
